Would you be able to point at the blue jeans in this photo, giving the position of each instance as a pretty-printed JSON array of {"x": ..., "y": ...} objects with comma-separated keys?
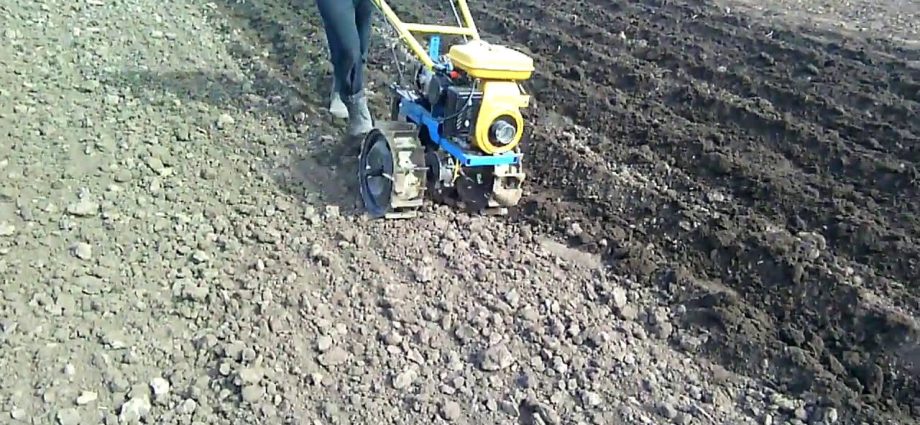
[{"x": 348, "y": 29}]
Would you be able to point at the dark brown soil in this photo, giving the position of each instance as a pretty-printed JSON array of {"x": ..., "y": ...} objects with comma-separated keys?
[
  {"x": 750, "y": 137},
  {"x": 764, "y": 179}
]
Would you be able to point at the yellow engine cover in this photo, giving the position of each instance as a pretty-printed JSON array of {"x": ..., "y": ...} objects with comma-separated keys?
[
  {"x": 491, "y": 62},
  {"x": 500, "y": 99}
]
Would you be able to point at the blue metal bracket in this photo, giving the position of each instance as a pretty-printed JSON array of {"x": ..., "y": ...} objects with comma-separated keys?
[
  {"x": 420, "y": 116},
  {"x": 434, "y": 48},
  {"x": 434, "y": 52}
]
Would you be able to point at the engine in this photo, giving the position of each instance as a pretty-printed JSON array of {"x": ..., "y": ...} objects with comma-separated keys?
[
  {"x": 455, "y": 99},
  {"x": 460, "y": 109}
]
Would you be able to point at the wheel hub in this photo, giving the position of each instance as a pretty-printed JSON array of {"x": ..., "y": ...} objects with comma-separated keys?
[{"x": 375, "y": 170}]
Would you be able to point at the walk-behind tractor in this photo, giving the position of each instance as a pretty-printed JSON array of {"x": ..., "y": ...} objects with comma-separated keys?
[{"x": 454, "y": 132}]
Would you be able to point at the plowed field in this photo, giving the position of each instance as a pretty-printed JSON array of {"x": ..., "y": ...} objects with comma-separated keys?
[{"x": 720, "y": 227}]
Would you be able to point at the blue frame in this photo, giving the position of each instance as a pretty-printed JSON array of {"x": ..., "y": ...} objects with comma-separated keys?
[{"x": 420, "y": 116}]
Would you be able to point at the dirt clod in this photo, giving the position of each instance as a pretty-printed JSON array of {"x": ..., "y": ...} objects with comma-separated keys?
[
  {"x": 496, "y": 358},
  {"x": 82, "y": 250},
  {"x": 334, "y": 357},
  {"x": 450, "y": 410}
]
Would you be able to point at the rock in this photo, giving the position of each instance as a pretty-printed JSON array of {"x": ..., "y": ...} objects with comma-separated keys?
[
  {"x": 782, "y": 403},
  {"x": 195, "y": 293},
  {"x": 574, "y": 229},
  {"x": 248, "y": 355},
  {"x": 424, "y": 274},
  {"x": 404, "y": 379},
  {"x": 86, "y": 397},
  {"x": 252, "y": 393},
  {"x": 334, "y": 357},
  {"x": 122, "y": 176},
  {"x": 93, "y": 285},
  {"x": 208, "y": 173},
  {"x": 715, "y": 196},
  {"x": 618, "y": 298},
  {"x": 119, "y": 384},
  {"x": 392, "y": 337},
  {"x": 509, "y": 408},
  {"x": 591, "y": 399},
  {"x": 133, "y": 410},
  {"x": 629, "y": 312},
  {"x": 453, "y": 362},
  {"x": 250, "y": 376},
  {"x": 69, "y": 416},
  {"x": 545, "y": 413},
  {"x": 18, "y": 414},
  {"x": 7, "y": 229},
  {"x": 450, "y": 411},
  {"x": 667, "y": 410},
  {"x": 224, "y": 121},
  {"x": 323, "y": 343},
  {"x": 182, "y": 133},
  {"x": 663, "y": 330},
  {"x": 200, "y": 257},
  {"x": 156, "y": 165},
  {"x": 160, "y": 388},
  {"x": 83, "y": 208},
  {"x": 872, "y": 378},
  {"x": 188, "y": 407},
  {"x": 682, "y": 419},
  {"x": 496, "y": 358},
  {"x": 82, "y": 250},
  {"x": 721, "y": 400},
  {"x": 689, "y": 342}
]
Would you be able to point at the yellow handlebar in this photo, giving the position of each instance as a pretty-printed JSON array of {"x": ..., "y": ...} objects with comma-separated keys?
[{"x": 406, "y": 30}]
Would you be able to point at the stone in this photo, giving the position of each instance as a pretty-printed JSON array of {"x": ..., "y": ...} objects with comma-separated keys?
[
  {"x": 334, "y": 357},
  {"x": 86, "y": 397},
  {"x": 69, "y": 416},
  {"x": 496, "y": 358},
  {"x": 133, "y": 410},
  {"x": 450, "y": 411},
  {"x": 252, "y": 393}
]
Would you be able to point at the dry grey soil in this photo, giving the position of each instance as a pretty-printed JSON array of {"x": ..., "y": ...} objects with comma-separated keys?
[{"x": 721, "y": 225}]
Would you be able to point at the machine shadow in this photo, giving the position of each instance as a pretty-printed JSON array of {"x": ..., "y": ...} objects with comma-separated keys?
[
  {"x": 282, "y": 51},
  {"x": 312, "y": 168},
  {"x": 292, "y": 35}
]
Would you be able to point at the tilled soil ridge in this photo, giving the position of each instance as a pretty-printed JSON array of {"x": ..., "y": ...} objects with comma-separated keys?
[{"x": 784, "y": 171}]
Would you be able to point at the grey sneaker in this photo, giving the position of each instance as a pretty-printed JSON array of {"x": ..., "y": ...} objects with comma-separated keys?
[
  {"x": 336, "y": 106},
  {"x": 359, "y": 116}
]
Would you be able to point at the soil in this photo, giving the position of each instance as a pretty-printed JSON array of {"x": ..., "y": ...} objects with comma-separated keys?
[
  {"x": 721, "y": 223},
  {"x": 779, "y": 168},
  {"x": 778, "y": 171}
]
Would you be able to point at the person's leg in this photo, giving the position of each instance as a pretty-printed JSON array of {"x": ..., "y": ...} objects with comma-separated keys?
[
  {"x": 345, "y": 49},
  {"x": 341, "y": 34},
  {"x": 364, "y": 10},
  {"x": 360, "y": 120},
  {"x": 337, "y": 29}
]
